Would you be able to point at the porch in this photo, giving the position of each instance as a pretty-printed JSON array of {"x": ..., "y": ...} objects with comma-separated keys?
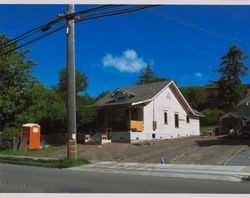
[
  {"x": 121, "y": 118},
  {"x": 116, "y": 123}
]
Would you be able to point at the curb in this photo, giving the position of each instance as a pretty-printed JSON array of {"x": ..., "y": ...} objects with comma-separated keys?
[
  {"x": 161, "y": 171},
  {"x": 173, "y": 174},
  {"x": 28, "y": 157}
]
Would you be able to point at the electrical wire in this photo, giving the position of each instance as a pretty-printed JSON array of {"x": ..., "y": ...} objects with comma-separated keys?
[
  {"x": 196, "y": 27},
  {"x": 34, "y": 40},
  {"x": 90, "y": 17},
  {"x": 53, "y": 22},
  {"x": 91, "y": 10},
  {"x": 95, "y": 16}
]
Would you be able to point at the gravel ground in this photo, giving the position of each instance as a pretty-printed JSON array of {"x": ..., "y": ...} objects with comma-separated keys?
[
  {"x": 241, "y": 159},
  {"x": 187, "y": 150}
]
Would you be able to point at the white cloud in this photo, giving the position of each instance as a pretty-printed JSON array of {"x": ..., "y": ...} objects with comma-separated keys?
[
  {"x": 198, "y": 75},
  {"x": 127, "y": 62}
]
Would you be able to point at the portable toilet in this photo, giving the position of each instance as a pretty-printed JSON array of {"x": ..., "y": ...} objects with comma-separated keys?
[{"x": 30, "y": 133}]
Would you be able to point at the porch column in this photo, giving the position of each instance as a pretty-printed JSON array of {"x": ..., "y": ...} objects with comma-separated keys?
[{"x": 129, "y": 118}]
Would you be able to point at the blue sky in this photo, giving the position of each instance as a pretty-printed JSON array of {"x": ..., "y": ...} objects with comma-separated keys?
[{"x": 183, "y": 43}]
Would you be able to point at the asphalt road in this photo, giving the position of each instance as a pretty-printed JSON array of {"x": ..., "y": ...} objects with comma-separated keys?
[{"x": 17, "y": 178}]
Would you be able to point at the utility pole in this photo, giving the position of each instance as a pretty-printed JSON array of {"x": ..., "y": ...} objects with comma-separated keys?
[{"x": 71, "y": 97}]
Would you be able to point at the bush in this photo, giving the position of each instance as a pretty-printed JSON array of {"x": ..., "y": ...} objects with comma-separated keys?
[
  {"x": 212, "y": 117},
  {"x": 8, "y": 136}
]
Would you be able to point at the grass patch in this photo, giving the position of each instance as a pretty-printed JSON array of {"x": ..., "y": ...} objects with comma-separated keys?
[
  {"x": 60, "y": 163},
  {"x": 43, "y": 152},
  {"x": 203, "y": 129}
]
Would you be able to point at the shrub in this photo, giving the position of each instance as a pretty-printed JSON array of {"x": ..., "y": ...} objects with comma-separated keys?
[
  {"x": 212, "y": 116},
  {"x": 8, "y": 136}
]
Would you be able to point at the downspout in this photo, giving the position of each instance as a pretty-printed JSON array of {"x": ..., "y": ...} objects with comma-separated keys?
[
  {"x": 153, "y": 110},
  {"x": 154, "y": 122}
]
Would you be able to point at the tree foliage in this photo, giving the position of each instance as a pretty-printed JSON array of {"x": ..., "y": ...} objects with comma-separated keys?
[
  {"x": 16, "y": 79},
  {"x": 195, "y": 95},
  {"x": 8, "y": 137},
  {"x": 212, "y": 116},
  {"x": 230, "y": 89},
  {"x": 84, "y": 113},
  {"x": 101, "y": 95},
  {"x": 80, "y": 83},
  {"x": 42, "y": 103},
  {"x": 148, "y": 76}
]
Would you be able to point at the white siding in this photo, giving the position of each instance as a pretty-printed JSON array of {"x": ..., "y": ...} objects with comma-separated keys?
[{"x": 166, "y": 102}]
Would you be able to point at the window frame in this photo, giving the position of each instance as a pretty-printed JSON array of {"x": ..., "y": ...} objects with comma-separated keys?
[
  {"x": 165, "y": 117},
  {"x": 176, "y": 120}
]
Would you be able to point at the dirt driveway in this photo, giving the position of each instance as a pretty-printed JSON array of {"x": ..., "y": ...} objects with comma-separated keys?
[{"x": 189, "y": 150}]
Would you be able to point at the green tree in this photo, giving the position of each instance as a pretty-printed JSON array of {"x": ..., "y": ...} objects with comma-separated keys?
[
  {"x": 16, "y": 78},
  {"x": 195, "y": 95},
  {"x": 212, "y": 97},
  {"x": 84, "y": 112},
  {"x": 230, "y": 88},
  {"x": 45, "y": 107},
  {"x": 212, "y": 116},
  {"x": 80, "y": 85},
  {"x": 148, "y": 76},
  {"x": 8, "y": 136},
  {"x": 101, "y": 95},
  {"x": 42, "y": 103}
]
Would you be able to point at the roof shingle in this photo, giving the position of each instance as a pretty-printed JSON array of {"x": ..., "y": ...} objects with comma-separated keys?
[{"x": 141, "y": 93}]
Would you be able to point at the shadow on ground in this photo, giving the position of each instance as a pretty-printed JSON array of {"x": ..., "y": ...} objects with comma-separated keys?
[{"x": 225, "y": 140}]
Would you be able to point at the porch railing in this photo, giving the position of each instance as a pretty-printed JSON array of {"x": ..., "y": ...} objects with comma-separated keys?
[{"x": 136, "y": 125}]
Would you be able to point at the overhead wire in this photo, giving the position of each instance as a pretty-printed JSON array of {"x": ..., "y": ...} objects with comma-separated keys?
[
  {"x": 196, "y": 27},
  {"x": 34, "y": 40},
  {"x": 89, "y": 17},
  {"x": 127, "y": 10},
  {"x": 53, "y": 22}
]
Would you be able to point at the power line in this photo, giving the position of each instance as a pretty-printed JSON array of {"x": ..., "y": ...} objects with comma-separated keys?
[
  {"x": 95, "y": 16},
  {"x": 53, "y": 22},
  {"x": 196, "y": 27},
  {"x": 91, "y": 10},
  {"x": 90, "y": 17},
  {"x": 34, "y": 40}
]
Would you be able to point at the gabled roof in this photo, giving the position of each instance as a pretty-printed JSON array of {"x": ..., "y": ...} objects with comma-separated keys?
[
  {"x": 143, "y": 94},
  {"x": 139, "y": 92},
  {"x": 127, "y": 92}
]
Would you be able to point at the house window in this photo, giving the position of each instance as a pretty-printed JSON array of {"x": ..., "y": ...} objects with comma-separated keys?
[
  {"x": 165, "y": 117},
  {"x": 176, "y": 119},
  {"x": 187, "y": 118}
]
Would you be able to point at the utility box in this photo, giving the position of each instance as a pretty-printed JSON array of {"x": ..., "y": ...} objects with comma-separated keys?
[{"x": 30, "y": 136}]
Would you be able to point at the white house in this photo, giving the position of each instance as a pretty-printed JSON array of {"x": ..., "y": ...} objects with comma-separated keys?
[{"x": 145, "y": 112}]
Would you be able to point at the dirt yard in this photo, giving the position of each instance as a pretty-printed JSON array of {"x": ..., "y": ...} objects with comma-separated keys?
[{"x": 188, "y": 150}]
